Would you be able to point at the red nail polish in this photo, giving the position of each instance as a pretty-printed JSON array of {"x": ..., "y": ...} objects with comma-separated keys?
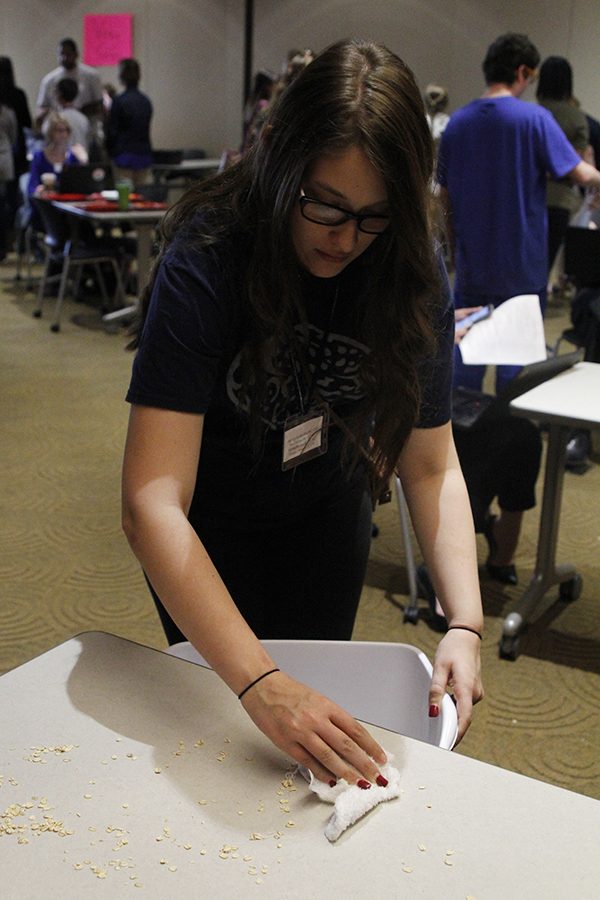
[
  {"x": 363, "y": 785},
  {"x": 332, "y": 782},
  {"x": 381, "y": 781},
  {"x": 434, "y": 711}
]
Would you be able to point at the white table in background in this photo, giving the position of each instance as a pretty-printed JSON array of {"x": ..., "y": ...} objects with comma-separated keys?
[
  {"x": 567, "y": 401},
  {"x": 163, "y": 784}
]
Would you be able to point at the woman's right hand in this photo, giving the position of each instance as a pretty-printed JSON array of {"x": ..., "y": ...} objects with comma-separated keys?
[{"x": 313, "y": 730}]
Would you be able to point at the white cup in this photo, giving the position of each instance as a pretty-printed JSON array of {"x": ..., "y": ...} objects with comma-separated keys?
[{"x": 49, "y": 180}]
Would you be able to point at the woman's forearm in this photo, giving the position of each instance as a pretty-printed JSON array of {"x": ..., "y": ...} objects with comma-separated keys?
[{"x": 189, "y": 586}]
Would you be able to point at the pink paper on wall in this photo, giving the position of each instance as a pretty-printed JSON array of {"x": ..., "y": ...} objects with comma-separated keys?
[{"x": 107, "y": 39}]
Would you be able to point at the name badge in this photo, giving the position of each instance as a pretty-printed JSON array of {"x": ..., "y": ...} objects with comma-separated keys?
[{"x": 305, "y": 437}]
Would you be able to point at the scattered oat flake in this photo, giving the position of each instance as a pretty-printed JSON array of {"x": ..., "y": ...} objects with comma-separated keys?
[
  {"x": 449, "y": 852},
  {"x": 407, "y": 869},
  {"x": 448, "y": 862},
  {"x": 157, "y": 771},
  {"x": 422, "y": 847},
  {"x": 87, "y": 796},
  {"x": 172, "y": 868}
]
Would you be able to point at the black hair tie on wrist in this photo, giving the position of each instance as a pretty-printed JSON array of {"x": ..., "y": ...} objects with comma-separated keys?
[
  {"x": 256, "y": 680},
  {"x": 466, "y": 628}
]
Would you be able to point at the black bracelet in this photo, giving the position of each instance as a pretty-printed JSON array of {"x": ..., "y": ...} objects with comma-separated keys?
[
  {"x": 466, "y": 628},
  {"x": 256, "y": 680}
]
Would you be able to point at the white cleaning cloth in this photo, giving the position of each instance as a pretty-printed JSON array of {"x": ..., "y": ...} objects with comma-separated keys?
[{"x": 352, "y": 802}]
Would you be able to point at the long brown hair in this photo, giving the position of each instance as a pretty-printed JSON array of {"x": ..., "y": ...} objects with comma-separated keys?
[{"x": 353, "y": 94}]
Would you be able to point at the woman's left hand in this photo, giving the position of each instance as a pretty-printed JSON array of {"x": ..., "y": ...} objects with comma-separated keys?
[{"x": 457, "y": 667}]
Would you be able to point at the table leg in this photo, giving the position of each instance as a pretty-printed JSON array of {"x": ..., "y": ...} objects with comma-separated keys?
[
  {"x": 145, "y": 232},
  {"x": 546, "y": 573}
]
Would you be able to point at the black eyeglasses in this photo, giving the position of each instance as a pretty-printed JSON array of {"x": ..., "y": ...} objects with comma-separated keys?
[{"x": 330, "y": 215}]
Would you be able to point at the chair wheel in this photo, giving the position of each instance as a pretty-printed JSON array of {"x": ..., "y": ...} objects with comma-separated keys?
[
  {"x": 509, "y": 647},
  {"x": 55, "y": 328},
  {"x": 37, "y": 314},
  {"x": 411, "y": 614},
  {"x": 570, "y": 591}
]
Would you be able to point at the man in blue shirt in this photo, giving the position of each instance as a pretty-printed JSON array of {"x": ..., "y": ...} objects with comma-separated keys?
[{"x": 494, "y": 158}]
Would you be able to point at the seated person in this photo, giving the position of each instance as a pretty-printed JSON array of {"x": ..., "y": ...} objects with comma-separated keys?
[
  {"x": 500, "y": 459},
  {"x": 56, "y": 154},
  {"x": 81, "y": 132}
]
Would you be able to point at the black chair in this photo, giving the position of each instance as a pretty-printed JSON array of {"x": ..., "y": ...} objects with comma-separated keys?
[
  {"x": 582, "y": 265},
  {"x": 194, "y": 153},
  {"x": 582, "y": 256},
  {"x": 167, "y": 157},
  {"x": 66, "y": 252}
]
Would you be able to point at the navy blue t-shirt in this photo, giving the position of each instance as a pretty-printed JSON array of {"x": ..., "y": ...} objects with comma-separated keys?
[{"x": 189, "y": 361}]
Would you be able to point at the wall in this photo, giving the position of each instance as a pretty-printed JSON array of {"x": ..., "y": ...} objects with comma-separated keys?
[
  {"x": 443, "y": 41},
  {"x": 191, "y": 51}
]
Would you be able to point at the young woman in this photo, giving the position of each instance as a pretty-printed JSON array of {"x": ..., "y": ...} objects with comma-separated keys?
[
  {"x": 555, "y": 93},
  {"x": 128, "y": 128},
  {"x": 296, "y": 349},
  {"x": 57, "y": 153}
]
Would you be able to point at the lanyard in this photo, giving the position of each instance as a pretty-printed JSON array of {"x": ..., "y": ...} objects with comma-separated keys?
[{"x": 318, "y": 358}]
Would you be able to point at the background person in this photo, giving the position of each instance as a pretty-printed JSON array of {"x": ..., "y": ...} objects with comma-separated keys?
[
  {"x": 15, "y": 98},
  {"x": 8, "y": 140},
  {"x": 494, "y": 157},
  {"x": 555, "y": 93},
  {"x": 66, "y": 95},
  {"x": 128, "y": 128},
  {"x": 500, "y": 460},
  {"x": 89, "y": 95},
  {"x": 296, "y": 349}
]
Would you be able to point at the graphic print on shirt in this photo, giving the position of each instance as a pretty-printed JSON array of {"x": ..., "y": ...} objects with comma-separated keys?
[{"x": 338, "y": 358}]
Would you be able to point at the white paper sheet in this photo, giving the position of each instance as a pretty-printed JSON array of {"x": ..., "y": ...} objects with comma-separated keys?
[{"x": 513, "y": 335}]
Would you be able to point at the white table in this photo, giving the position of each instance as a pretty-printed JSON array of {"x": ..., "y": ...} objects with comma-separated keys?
[
  {"x": 166, "y": 775},
  {"x": 144, "y": 222},
  {"x": 569, "y": 400}
]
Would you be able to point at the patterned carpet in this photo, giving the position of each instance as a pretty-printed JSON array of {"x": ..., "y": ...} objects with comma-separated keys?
[{"x": 65, "y": 566}]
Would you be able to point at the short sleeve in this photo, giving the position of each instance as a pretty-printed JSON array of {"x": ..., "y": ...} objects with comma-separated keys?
[
  {"x": 560, "y": 157},
  {"x": 436, "y": 374},
  {"x": 185, "y": 334}
]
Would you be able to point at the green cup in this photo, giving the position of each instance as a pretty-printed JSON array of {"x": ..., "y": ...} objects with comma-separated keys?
[{"x": 123, "y": 191}]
